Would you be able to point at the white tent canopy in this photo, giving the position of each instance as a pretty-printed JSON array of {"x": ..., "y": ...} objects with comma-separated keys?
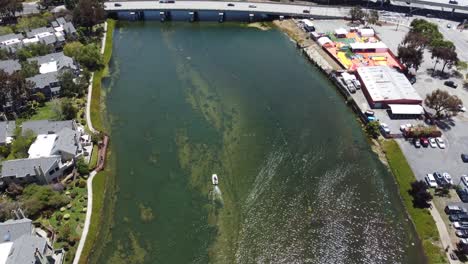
[
  {"x": 341, "y": 31},
  {"x": 404, "y": 109},
  {"x": 366, "y": 32},
  {"x": 368, "y": 45},
  {"x": 324, "y": 40}
]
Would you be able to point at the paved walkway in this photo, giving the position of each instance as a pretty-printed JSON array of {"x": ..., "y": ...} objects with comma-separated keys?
[
  {"x": 443, "y": 232},
  {"x": 100, "y": 166}
]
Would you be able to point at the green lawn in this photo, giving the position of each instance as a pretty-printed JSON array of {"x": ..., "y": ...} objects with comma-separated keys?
[
  {"x": 99, "y": 190},
  {"x": 422, "y": 219},
  {"x": 96, "y": 113},
  {"x": 94, "y": 157}
]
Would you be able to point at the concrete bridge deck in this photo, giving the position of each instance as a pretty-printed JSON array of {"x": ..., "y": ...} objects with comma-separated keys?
[{"x": 222, "y": 6}]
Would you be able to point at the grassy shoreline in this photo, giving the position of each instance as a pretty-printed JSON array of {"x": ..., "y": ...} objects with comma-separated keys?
[
  {"x": 95, "y": 109},
  {"x": 103, "y": 180},
  {"x": 421, "y": 218}
]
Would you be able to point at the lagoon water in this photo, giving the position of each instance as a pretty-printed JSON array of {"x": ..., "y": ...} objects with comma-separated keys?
[{"x": 298, "y": 182}]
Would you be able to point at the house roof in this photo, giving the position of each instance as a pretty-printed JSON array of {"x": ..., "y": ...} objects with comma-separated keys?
[
  {"x": 69, "y": 28},
  {"x": 55, "y": 24},
  {"x": 24, "y": 248},
  {"x": 10, "y": 66},
  {"x": 25, "y": 167},
  {"x": 42, "y": 146},
  {"x": 67, "y": 141},
  {"x": 10, "y": 37},
  {"x": 46, "y": 126},
  {"x": 36, "y": 31},
  {"x": 49, "y": 39},
  {"x": 61, "y": 21},
  {"x": 405, "y": 109},
  {"x": 7, "y": 129},
  {"x": 62, "y": 60},
  {"x": 11, "y": 230},
  {"x": 43, "y": 80}
]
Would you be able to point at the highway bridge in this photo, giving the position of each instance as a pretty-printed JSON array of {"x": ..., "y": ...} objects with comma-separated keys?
[{"x": 224, "y": 8}]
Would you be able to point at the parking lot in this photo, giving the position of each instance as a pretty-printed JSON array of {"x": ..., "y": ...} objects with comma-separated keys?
[{"x": 428, "y": 160}]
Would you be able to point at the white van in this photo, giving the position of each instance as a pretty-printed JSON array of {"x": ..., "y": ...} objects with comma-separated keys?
[{"x": 430, "y": 180}]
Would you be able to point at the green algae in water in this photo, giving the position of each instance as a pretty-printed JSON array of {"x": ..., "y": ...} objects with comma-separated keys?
[{"x": 298, "y": 181}]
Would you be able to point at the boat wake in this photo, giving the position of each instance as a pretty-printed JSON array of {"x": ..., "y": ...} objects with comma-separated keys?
[{"x": 217, "y": 195}]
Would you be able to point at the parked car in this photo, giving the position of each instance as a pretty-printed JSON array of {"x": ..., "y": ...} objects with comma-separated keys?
[
  {"x": 461, "y": 108},
  {"x": 416, "y": 143},
  {"x": 452, "y": 209},
  {"x": 464, "y": 180},
  {"x": 424, "y": 142},
  {"x": 357, "y": 84},
  {"x": 440, "y": 142},
  {"x": 462, "y": 233},
  {"x": 369, "y": 113},
  {"x": 447, "y": 178},
  {"x": 453, "y": 256},
  {"x": 450, "y": 84},
  {"x": 449, "y": 25},
  {"x": 384, "y": 127},
  {"x": 412, "y": 79},
  {"x": 460, "y": 225},
  {"x": 463, "y": 194},
  {"x": 432, "y": 143},
  {"x": 430, "y": 181},
  {"x": 440, "y": 179},
  {"x": 464, "y": 157},
  {"x": 458, "y": 217}
]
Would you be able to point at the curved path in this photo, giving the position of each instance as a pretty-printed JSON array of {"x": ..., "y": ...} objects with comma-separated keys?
[{"x": 89, "y": 211}]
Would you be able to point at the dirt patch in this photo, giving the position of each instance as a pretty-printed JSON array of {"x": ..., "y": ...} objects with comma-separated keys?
[{"x": 259, "y": 25}]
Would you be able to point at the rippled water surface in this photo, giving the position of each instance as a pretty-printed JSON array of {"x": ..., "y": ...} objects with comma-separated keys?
[{"x": 298, "y": 181}]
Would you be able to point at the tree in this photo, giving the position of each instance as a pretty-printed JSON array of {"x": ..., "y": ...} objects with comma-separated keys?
[
  {"x": 14, "y": 90},
  {"x": 29, "y": 69},
  {"x": 70, "y": 4},
  {"x": 89, "y": 13},
  {"x": 72, "y": 85},
  {"x": 27, "y": 23},
  {"x": 428, "y": 30},
  {"x": 36, "y": 199},
  {"x": 415, "y": 40},
  {"x": 82, "y": 167},
  {"x": 421, "y": 197},
  {"x": 443, "y": 102},
  {"x": 410, "y": 56},
  {"x": 444, "y": 51},
  {"x": 40, "y": 98},
  {"x": 356, "y": 13},
  {"x": 373, "y": 129},
  {"x": 5, "y": 30},
  {"x": 33, "y": 50},
  {"x": 8, "y": 8},
  {"x": 68, "y": 109},
  {"x": 90, "y": 57},
  {"x": 373, "y": 17},
  {"x": 21, "y": 144},
  {"x": 72, "y": 49}
]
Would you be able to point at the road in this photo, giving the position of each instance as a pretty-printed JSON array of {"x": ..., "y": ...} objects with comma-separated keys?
[{"x": 268, "y": 8}]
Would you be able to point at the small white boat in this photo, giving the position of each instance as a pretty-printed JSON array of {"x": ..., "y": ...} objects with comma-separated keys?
[{"x": 214, "y": 179}]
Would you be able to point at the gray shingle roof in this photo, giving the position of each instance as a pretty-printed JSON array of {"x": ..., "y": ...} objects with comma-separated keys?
[
  {"x": 23, "y": 249},
  {"x": 25, "y": 167},
  {"x": 49, "y": 40},
  {"x": 10, "y": 66},
  {"x": 11, "y": 36},
  {"x": 62, "y": 60},
  {"x": 43, "y": 80},
  {"x": 7, "y": 129},
  {"x": 11, "y": 230},
  {"x": 55, "y": 24},
  {"x": 61, "y": 21},
  {"x": 40, "y": 30},
  {"x": 67, "y": 141},
  {"x": 69, "y": 28},
  {"x": 46, "y": 126}
]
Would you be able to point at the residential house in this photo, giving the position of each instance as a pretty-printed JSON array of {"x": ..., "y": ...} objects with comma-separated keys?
[
  {"x": 20, "y": 244},
  {"x": 50, "y": 67},
  {"x": 42, "y": 170},
  {"x": 10, "y": 66},
  {"x": 45, "y": 35},
  {"x": 47, "y": 127},
  {"x": 61, "y": 25},
  {"x": 11, "y": 42},
  {"x": 7, "y": 130}
]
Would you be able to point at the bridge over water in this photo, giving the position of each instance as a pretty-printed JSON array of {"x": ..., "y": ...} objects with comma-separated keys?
[{"x": 219, "y": 10}]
